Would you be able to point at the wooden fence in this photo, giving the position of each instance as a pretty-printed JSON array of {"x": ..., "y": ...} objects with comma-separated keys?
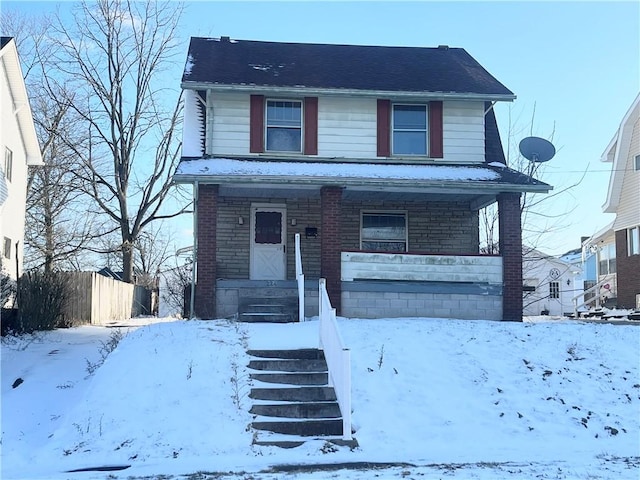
[{"x": 98, "y": 300}]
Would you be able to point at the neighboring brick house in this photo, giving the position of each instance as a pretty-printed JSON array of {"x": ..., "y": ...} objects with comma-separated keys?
[
  {"x": 20, "y": 150},
  {"x": 380, "y": 157},
  {"x": 623, "y": 199}
]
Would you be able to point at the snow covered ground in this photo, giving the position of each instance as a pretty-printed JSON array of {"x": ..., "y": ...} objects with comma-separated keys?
[{"x": 435, "y": 398}]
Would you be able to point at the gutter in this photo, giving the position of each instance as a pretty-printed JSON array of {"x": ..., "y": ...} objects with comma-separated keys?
[
  {"x": 315, "y": 91},
  {"x": 194, "y": 257}
]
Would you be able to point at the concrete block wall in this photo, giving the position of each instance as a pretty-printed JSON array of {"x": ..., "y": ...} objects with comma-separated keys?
[{"x": 416, "y": 304}]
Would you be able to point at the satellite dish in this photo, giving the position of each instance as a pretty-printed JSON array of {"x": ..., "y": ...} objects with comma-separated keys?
[{"x": 537, "y": 149}]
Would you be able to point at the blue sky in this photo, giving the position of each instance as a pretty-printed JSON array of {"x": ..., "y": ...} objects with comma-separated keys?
[{"x": 576, "y": 63}]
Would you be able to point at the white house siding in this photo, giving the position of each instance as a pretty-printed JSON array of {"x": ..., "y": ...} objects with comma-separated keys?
[
  {"x": 628, "y": 211},
  {"x": 347, "y": 127},
  {"x": 12, "y": 211},
  {"x": 228, "y": 124},
  {"x": 463, "y": 131}
]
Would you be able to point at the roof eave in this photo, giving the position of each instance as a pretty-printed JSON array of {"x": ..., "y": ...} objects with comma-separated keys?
[
  {"x": 484, "y": 186},
  {"x": 301, "y": 89}
]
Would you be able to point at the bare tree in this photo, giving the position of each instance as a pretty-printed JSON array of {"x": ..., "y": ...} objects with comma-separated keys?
[
  {"x": 536, "y": 220},
  {"x": 57, "y": 229},
  {"x": 115, "y": 54}
]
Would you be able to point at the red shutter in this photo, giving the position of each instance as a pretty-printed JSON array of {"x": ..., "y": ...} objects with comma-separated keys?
[
  {"x": 310, "y": 126},
  {"x": 384, "y": 128},
  {"x": 256, "y": 124},
  {"x": 435, "y": 130}
]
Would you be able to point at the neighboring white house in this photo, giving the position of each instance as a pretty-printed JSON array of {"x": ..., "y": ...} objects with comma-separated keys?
[
  {"x": 549, "y": 284},
  {"x": 20, "y": 149}
]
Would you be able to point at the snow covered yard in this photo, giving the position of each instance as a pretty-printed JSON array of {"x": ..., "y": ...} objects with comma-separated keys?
[{"x": 436, "y": 398}]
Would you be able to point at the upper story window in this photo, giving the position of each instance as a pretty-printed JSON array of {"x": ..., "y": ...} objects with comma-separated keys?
[
  {"x": 8, "y": 163},
  {"x": 284, "y": 126},
  {"x": 384, "y": 231},
  {"x": 409, "y": 124},
  {"x": 636, "y": 163},
  {"x": 6, "y": 247}
]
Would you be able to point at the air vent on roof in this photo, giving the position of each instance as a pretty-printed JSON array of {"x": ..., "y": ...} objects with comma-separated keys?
[{"x": 443, "y": 47}]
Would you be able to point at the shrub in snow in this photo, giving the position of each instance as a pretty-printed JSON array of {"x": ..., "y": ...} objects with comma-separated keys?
[{"x": 41, "y": 300}]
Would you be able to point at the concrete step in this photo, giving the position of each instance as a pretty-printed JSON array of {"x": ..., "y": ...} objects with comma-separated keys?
[
  {"x": 266, "y": 317},
  {"x": 294, "y": 394},
  {"x": 298, "y": 410},
  {"x": 302, "y": 353},
  {"x": 304, "y": 428},
  {"x": 268, "y": 300},
  {"x": 292, "y": 378},
  {"x": 279, "y": 365}
]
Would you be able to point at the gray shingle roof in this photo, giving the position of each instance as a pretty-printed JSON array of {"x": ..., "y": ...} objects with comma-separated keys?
[{"x": 373, "y": 68}]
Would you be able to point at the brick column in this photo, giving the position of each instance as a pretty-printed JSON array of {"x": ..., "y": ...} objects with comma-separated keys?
[
  {"x": 510, "y": 231},
  {"x": 627, "y": 272},
  {"x": 206, "y": 221},
  {"x": 331, "y": 243}
]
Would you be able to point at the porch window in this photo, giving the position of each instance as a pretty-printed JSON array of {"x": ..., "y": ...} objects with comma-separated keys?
[
  {"x": 633, "y": 241},
  {"x": 554, "y": 289},
  {"x": 384, "y": 231},
  {"x": 607, "y": 259},
  {"x": 284, "y": 126},
  {"x": 409, "y": 123}
]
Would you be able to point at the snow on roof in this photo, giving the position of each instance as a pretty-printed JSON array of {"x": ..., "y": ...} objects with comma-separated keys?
[{"x": 252, "y": 168}]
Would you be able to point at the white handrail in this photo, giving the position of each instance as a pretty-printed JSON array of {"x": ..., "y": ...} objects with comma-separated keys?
[
  {"x": 596, "y": 298},
  {"x": 300, "y": 279},
  {"x": 337, "y": 356}
]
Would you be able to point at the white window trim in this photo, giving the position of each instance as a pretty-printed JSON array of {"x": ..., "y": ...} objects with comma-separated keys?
[
  {"x": 426, "y": 130},
  {"x": 8, "y": 163},
  {"x": 633, "y": 247},
  {"x": 266, "y": 125},
  {"x": 387, "y": 212}
]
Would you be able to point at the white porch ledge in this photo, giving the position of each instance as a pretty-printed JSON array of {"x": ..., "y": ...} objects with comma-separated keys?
[{"x": 431, "y": 268}]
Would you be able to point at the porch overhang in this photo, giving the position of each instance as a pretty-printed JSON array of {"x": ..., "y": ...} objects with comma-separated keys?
[{"x": 478, "y": 183}]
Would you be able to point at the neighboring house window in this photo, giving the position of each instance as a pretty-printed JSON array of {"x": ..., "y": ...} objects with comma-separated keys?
[
  {"x": 409, "y": 124},
  {"x": 554, "y": 289},
  {"x": 384, "y": 232},
  {"x": 633, "y": 241},
  {"x": 6, "y": 247},
  {"x": 607, "y": 263},
  {"x": 8, "y": 163},
  {"x": 636, "y": 163},
  {"x": 284, "y": 126}
]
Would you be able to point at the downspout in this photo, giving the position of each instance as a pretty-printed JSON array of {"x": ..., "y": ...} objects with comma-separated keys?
[{"x": 194, "y": 264}]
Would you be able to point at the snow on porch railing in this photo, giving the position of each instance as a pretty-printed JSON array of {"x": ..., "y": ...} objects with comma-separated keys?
[
  {"x": 300, "y": 279},
  {"x": 337, "y": 356},
  {"x": 595, "y": 299}
]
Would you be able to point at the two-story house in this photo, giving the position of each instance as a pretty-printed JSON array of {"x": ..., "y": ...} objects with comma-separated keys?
[
  {"x": 623, "y": 199},
  {"x": 379, "y": 157},
  {"x": 20, "y": 149}
]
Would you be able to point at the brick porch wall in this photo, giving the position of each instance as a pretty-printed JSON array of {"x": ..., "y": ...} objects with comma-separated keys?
[
  {"x": 206, "y": 214},
  {"x": 331, "y": 243},
  {"x": 627, "y": 271},
  {"x": 510, "y": 232}
]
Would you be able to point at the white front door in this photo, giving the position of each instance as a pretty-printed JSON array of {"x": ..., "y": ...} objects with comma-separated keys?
[{"x": 268, "y": 243}]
